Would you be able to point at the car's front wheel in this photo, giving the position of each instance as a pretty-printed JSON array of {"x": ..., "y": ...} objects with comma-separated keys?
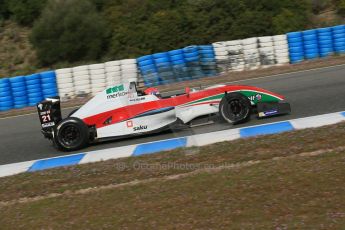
[
  {"x": 235, "y": 108},
  {"x": 71, "y": 134}
]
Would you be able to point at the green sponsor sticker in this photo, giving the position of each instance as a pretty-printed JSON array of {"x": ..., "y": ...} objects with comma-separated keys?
[{"x": 115, "y": 89}]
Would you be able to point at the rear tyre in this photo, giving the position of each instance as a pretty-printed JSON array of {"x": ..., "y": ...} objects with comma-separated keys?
[
  {"x": 235, "y": 108},
  {"x": 71, "y": 134}
]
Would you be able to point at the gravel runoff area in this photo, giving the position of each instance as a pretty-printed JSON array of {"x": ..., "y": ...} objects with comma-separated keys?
[
  {"x": 221, "y": 78},
  {"x": 293, "y": 180}
]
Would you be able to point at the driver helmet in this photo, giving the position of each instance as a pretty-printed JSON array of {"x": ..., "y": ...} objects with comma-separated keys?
[{"x": 152, "y": 91}]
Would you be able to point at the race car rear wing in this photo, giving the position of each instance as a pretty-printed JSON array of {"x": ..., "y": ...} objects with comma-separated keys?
[{"x": 49, "y": 113}]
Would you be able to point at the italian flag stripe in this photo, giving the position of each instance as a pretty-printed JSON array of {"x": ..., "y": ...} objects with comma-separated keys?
[{"x": 218, "y": 97}]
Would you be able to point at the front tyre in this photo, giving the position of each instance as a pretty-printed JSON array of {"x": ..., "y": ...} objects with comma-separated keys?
[
  {"x": 71, "y": 134},
  {"x": 235, "y": 108}
]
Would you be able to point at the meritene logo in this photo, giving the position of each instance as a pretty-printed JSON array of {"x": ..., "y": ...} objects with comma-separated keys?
[
  {"x": 115, "y": 89},
  {"x": 115, "y": 92}
]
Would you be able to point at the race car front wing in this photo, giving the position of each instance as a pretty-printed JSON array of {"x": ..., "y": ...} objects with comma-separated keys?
[{"x": 268, "y": 109}]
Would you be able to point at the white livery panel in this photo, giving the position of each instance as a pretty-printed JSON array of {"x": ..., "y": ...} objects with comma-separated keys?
[{"x": 141, "y": 124}]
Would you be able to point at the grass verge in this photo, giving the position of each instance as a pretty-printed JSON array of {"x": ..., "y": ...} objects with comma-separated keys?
[{"x": 289, "y": 180}]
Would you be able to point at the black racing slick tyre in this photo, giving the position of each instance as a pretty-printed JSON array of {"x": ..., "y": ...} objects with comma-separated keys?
[
  {"x": 235, "y": 108},
  {"x": 71, "y": 134}
]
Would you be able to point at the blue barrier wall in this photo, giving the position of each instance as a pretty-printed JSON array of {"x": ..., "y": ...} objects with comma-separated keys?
[
  {"x": 325, "y": 42},
  {"x": 22, "y": 91},
  {"x": 316, "y": 43},
  {"x": 48, "y": 84},
  {"x": 185, "y": 64},
  {"x": 296, "y": 50},
  {"x": 6, "y": 98},
  {"x": 338, "y": 36}
]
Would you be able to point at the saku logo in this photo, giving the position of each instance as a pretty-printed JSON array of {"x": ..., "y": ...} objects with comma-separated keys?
[{"x": 141, "y": 127}]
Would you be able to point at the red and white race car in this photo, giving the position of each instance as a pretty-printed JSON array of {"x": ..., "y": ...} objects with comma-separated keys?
[{"x": 123, "y": 110}]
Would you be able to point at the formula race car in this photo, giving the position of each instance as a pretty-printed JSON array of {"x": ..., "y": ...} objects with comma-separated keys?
[{"x": 122, "y": 111}]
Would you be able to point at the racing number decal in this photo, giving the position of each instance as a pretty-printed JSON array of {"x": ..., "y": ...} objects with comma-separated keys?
[{"x": 46, "y": 118}]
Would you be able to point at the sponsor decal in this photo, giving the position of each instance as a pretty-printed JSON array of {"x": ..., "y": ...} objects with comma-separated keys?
[
  {"x": 271, "y": 112},
  {"x": 129, "y": 124},
  {"x": 115, "y": 92},
  {"x": 115, "y": 89},
  {"x": 257, "y": 97},
  {"x": 116, "y": 95},
  {"x": 137, "y": 99},
  {"x": 45, "y": 113},
  {"x": 252, "y": 98},
  {"x": 268, "y": 113},
  {"x": 46, "y": 119},
  {"x": 46, "y": 125},
  {"x": 139, "y": 128}
]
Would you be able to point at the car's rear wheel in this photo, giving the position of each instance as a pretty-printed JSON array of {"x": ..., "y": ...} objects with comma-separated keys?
[
  {"x": 71, "y": 134},
  {"x": 235, "y": 108}
]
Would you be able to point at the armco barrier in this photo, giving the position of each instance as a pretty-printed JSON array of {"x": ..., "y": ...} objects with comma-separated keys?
[
  {"x": 163, "y": 145},
  {"x": 192, "y": 62}
]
